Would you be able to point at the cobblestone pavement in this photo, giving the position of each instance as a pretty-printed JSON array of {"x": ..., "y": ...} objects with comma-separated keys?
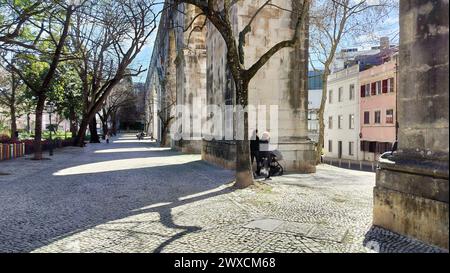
[{"x": 132, "y": 196}]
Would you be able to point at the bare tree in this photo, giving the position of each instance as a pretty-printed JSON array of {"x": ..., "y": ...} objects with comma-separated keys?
[
  {"x": 332, "y": 23},
  {"x": 107, "y": 40},
  {"x": 122, "y": 96},
  {"x": 219, "y": 14},
  {"x": 166, "y": 112}
]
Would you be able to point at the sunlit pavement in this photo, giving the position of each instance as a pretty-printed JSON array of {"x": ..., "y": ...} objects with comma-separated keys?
[{"x": 132, "y": 196}]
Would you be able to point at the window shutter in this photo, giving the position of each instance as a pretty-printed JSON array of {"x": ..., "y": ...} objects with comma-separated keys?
[
  {"x": 363, "y": 91},
  {"x": 385, "y": 86},
  {"x": 374, "y": 89}
]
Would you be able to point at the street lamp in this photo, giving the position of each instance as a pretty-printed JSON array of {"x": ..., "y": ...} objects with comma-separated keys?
[{"x": 50, "y": 110}]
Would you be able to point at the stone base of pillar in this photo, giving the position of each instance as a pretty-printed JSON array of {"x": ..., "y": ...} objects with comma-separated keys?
[
  {"x": 411, "y": 198},
  {"x": 298, "y": 156},
  {"x": 220, "y": 153},
  {"x": 189, "y": 146}
]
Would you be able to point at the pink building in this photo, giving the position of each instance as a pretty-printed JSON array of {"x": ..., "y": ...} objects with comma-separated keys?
[{"x": 378, "y": 109}]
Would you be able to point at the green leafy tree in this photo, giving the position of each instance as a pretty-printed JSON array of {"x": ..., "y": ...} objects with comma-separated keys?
[
  {"x": 67, "y": 96},
  {"x": 12, "y": 99},
  {"x": 50, "y": 31},
  {"x": 15, "y": 17}
]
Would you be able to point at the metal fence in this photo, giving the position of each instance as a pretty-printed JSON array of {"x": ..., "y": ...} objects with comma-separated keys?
[{"x": 365, "y": 166}]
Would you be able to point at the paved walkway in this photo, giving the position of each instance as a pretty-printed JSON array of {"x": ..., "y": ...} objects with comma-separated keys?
[{"x": 131, "y": 196}]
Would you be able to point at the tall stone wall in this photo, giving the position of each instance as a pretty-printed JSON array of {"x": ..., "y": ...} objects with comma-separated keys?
[
  {"x": 282, "y": 82},
  {"x": 191, "y": 74},
  {"x": 411, "y": 195},
  {"x": 161, "y": 78},
  {"x": 191, "y": 59},
  {"x": 220, "y": 92},
  {"x": 177, "y": 74}
]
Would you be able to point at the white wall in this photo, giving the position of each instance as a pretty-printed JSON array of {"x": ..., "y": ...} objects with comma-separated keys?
[{"x": 343, "y": 79}]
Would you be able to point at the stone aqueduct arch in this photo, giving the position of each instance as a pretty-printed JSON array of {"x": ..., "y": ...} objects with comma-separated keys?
[
  {"x": 199, "y": 73},
  {"x": 411, "y": 195}
]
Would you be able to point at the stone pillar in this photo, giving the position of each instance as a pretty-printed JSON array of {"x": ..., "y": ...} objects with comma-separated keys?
[
  {"x": 298, "y": 150},
  {"x": 191, "y": 76},
  {"x": 283, "y": 81},
  {"x": 411, "y": 194},
  {"x": 169, "y": 98}
]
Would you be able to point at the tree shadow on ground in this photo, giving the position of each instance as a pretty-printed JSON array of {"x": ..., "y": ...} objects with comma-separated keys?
[{"x": 47, "y": 208}]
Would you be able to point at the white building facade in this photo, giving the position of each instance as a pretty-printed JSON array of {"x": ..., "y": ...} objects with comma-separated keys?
[{"x": 342, "y": 126}]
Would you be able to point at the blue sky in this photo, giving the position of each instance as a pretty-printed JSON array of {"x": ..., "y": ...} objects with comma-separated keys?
[{"x": 144, "y": 59}]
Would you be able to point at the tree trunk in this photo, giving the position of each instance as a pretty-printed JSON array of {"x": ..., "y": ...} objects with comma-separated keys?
[
  {"x": 321, "y": 142},
  {"x": 91, "y": 112},
  {"x": 114, "y": 124},
  {"x": 86, "y": 122},
  {"x": 79, "y": 139},
  {"x": 42, "y": 90},
  {"x": 13, "y": 122},
  {"x": 38, "y": 128},
  {"x": 104, "y": 128},
  {"x": 244, "y": 173},
  {"x": 28, "y": 123},
  {"x": 93, "y": 130},
  {"x": 12, "y": 107},
  {"x": 164, "y": 132},
  {"x": 114, "y": 127},
  {"x": 73, "y": 121},
  {"x": 104, "y": 119}
]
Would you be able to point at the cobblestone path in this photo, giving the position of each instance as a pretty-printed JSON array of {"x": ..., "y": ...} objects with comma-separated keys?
[{"x": 131, "y": 196}]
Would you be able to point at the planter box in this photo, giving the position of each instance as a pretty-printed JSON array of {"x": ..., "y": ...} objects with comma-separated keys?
[{"x": 10, "y": 151}]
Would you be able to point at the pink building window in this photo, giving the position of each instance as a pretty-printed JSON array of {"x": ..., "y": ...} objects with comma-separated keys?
[
  {"x": 379, "y": 88},
  {"x": 391, "y": 85},
  {"x": 390, "y": 116},
  {"x": 366, "y": 117},
  {"x": 374, "y": 89},
  {"x": 385, "y": 86},
  {"x": 377, "y": 117}
]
